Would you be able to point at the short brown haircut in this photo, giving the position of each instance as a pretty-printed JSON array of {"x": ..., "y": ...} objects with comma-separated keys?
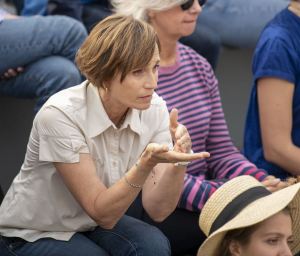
[{"x": 116, "y": 44}]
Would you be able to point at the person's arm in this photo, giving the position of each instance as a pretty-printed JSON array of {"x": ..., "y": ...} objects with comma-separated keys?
[
  {"x": 164, "y": 185},
  {"x": 104, "y": 205},
  {"x": 10, "y": 72},
  {"x": 224, "y": 163},
  {"x": 197, "y": 190},
  {"x": 77, "y": 169},
  {"x": 2, "y": 14},
  {"x": 6, "y": 15},
  {"x": 275, "y": 98},
  {"x": 107, "y": 205}
]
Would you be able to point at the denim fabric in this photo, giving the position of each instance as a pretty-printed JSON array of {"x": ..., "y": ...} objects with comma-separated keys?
[
  {"x": 239, "y": 22},
  {"x": 204, "y": 40},
  {"x": 180, "y": 227},
  {"x": 130, "y": 237},
  {"x": 34, "y": 7},
  {"x": 71, "y": 8},
  {"x": 2, "y": 14},
  {"x": 46, "y": 48}
]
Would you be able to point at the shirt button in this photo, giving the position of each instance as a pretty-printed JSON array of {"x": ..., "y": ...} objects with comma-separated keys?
[{"x": 114, "y": 164}]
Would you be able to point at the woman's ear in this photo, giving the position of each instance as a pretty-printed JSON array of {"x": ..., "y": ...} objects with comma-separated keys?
[
  {"x": 235, "y": 248},
  {"x": 150, "y": 13}
]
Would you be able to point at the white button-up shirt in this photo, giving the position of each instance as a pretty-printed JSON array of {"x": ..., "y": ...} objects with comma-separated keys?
[{"x": 73, "y": 121}]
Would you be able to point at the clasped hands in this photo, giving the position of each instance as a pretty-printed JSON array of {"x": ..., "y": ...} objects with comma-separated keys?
[{"x": 181, "y": 152}]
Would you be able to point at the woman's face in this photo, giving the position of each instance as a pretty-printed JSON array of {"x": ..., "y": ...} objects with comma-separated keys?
[
  {"x": 271, "y": 238},
  {"x": 175, "y": 23},
  {"x": 136, "y": 90}
]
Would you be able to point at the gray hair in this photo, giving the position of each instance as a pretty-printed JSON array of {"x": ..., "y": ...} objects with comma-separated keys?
[{"x": 139, "y": 8}]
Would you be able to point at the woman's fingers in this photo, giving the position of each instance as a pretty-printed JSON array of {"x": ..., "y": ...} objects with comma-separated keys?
[
  {"x": 174, "y": 156},
  {"x": 12, "y": 73},
  {"x": 173, "y": 123},
  {"x": 156, "y": 153}
]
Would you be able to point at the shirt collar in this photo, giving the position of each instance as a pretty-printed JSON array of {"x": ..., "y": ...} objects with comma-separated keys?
[
  {"x": 98, "y": 120},
  {"x": 133, "y": 120}
]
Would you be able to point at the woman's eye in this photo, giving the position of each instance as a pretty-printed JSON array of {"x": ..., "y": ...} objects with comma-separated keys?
[
  {"x": 138, "y": 71},
  {"x": 272, "y": 241}
]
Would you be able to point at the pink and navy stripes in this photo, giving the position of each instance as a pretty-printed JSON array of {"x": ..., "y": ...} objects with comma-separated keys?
[{"x": 191, "y": 87}]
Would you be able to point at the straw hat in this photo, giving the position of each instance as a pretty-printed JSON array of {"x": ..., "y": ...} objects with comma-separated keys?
[{"x": 242, "y": 202}]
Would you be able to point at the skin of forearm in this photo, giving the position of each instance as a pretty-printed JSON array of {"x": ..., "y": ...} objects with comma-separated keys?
[
  {"x": 285, "y": 155},
  {"x": 111, "y": 204},
  {"x": 164, "y": 195}
]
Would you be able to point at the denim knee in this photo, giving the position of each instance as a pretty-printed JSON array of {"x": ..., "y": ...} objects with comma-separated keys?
[
  {"x": 153, "y": 242},
  {"x": 144, "y": 239},
  {"x": 131, "y": 237},
  {"x": 68, "y": 41},
  {"x": 60, "y": 74}
]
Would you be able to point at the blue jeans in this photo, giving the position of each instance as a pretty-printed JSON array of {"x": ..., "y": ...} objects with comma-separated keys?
[
  {"x": 239, "y": 22},
  {"x": 130, "y": 237},
  {"x": 46, "y": 48},
  {"x": 34, "y": 7},
  {"x": 204, "y": 40}
]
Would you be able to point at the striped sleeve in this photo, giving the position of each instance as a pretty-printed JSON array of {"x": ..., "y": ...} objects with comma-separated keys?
[
  {"x": 225, "y": 162},
  {"x": 196, "y": 192},
  {"x": 192, "y": 88}
]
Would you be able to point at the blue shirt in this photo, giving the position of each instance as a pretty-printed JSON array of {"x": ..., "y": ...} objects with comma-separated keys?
[{"x": 276, "y": 55}]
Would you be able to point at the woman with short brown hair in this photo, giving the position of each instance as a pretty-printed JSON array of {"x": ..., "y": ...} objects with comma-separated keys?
[{"x": 93, "y": 148}]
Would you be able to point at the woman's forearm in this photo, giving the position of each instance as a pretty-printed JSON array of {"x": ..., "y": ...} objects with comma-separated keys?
[
  {"x": 284, "y": 154},
  {"x": 112, "y": 203},
  {"x": 162, "y": 190}
]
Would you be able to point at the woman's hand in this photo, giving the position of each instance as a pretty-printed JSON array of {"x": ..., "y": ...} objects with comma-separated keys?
[
  {"x": 181, "y": 138},
  {"x": 156, "y": 153},
  {"x": 273, "y": 184},
  {"x": 10, "y": 73}
]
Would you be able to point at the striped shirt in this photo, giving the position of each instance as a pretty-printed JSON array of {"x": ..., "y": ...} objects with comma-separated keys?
[{"x": 191, "y": 87}]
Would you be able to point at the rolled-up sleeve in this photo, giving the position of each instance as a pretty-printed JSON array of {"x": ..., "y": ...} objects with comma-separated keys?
[{"x": 60, "y": 138}]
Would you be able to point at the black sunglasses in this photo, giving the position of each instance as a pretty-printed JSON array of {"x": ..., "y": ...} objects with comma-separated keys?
[{"x": 188, "y": 4}]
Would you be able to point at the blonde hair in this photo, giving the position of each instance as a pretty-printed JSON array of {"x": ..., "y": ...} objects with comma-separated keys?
[
  {"x": 118, "y": 44},
  {"x": 139, "y": 8}
]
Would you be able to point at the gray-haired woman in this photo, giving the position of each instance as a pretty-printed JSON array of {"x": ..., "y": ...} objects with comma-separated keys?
[{"x": 187, "y": 82}]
